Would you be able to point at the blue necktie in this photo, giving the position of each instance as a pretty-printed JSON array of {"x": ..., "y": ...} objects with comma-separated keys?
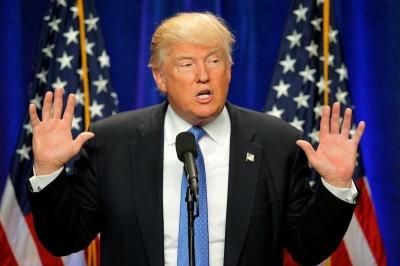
[{"x": 201, "y": 222}]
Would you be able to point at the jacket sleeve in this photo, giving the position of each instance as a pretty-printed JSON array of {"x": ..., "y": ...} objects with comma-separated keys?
[
  {"x": 315, "y": 222},
  {"x": 67, "y": 212}
]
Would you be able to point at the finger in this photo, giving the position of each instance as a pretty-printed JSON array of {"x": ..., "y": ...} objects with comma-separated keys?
[
  {"x": 81, "y": 139},
  {"x": 33, "y": 116},
  {"x": 346, "y": 123},
  {"x": 58, "y": 103},
  {"x": 359, "y": 132},
  {"x": 70, "y": 109},
  {"x": 335, "y": 118},
  {"x": 46, "y": 110},
  {"x": 324, "y": 124},
  {"x": 308, "y": 150}
]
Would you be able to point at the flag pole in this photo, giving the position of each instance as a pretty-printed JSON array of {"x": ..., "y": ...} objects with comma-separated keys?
[
  {"x": 325, "y": 42},
  {"x": 91, "y": 249},
  {"x": 85, "y": 78},
  {"x": 325, "y": 36}
]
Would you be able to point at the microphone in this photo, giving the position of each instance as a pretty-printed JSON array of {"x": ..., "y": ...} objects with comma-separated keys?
[{"x": 186, "y": 150}]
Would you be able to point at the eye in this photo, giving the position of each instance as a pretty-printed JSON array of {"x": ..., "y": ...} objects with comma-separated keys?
[
  {"x": 185, "y": 66},
  {"x": 213, "y": 62}
]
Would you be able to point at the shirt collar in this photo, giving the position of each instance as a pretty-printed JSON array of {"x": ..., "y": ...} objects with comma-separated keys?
[{"x": 218, "y": 129}]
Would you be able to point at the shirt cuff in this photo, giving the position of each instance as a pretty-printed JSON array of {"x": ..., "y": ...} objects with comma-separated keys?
[
  {"x": 39, "y": 182},
  {"x": 346, "y": 194}
]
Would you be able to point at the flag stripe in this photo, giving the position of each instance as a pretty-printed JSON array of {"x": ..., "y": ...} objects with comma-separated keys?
[
  {"x": 288, "y": 260},
  {"x": 367, "y": 219},
  {"x": 16, "y": 229},
  {"x": 341, "y": 256},
  {"x": 75, "y": 259},
  {"x": 355, "y": 241},
  {"x": 6, "y": 254}
]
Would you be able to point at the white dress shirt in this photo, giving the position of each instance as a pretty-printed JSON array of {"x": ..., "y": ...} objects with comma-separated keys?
[{"x": 215, "y": 149}]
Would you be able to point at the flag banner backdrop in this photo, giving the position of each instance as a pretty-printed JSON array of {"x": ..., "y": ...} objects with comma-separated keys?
[
  {"x": 58, "y": 65},
  {"x": 297, "y": 96},
  {"x": 369, "y": 35}
]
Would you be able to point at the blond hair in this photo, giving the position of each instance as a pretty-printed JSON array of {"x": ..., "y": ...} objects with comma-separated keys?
[{"x": 197, "y": 28}]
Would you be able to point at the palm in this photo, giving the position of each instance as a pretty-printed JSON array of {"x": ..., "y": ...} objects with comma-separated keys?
[
  {"x": 336, "y": 154},
  {"x": 52, "y": 141},
  {"x": 54, "y": 137},
  {"x": 335, "y": 157}
]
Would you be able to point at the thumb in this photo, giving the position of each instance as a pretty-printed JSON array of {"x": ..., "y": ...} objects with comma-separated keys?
[
  {"x": 81, "y": 139},
  {"x": 308, "y": 150}
]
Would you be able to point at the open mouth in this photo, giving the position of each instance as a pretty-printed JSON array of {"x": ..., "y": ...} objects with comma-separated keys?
[{"x": 204, "y": 95}]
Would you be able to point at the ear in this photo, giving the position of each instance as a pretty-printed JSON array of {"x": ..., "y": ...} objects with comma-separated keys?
[{"x": 159, "y": 79}]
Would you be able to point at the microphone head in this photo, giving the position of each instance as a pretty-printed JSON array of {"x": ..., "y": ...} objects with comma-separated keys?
[{"x": 185, "y": 142}]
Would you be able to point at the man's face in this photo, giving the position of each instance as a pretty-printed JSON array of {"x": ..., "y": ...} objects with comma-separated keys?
[{"x": 195, "y": 79}]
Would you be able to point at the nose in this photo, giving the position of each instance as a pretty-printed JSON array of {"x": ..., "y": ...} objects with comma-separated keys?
[{"x": 202, "y": 73}]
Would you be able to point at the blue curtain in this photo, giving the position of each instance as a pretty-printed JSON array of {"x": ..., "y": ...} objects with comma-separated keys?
[{"x": 370, "y": 32}]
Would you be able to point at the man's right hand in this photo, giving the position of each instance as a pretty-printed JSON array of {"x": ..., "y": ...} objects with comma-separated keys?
[{"x": 52, "y": 141}]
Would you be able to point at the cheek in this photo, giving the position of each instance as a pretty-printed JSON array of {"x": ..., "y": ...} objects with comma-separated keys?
[
  {"x": 224, "y": 85},
  {"x": 180, "y": 96}
]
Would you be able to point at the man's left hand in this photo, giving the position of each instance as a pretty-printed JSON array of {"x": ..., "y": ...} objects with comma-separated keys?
[{"x": 335, "y": 157}]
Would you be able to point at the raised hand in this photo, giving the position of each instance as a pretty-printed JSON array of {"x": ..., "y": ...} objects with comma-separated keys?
[
  {"x": 52, "y": 141},
  {"x": 335, "y": 157}
]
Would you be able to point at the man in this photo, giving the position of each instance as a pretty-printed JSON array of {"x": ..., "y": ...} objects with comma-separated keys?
[{"x": 127, "y": 182}]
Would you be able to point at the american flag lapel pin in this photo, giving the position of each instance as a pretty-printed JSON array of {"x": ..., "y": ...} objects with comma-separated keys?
[{"x": 250, "y": 157}]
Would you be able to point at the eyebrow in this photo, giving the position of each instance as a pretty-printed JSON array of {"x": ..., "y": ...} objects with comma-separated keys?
[
  {"x": 179, "y": 58},
  {"x": 213, "y": 51},
  {"x": 187, "y": 57}
]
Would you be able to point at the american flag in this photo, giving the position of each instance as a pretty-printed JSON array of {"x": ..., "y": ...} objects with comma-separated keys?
[
  {"x": 58, "y": 66},
  {"x": 296, "y": 95}
]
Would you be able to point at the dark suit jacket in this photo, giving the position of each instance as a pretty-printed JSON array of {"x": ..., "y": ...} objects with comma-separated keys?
[{"x": 116, "y": 189}]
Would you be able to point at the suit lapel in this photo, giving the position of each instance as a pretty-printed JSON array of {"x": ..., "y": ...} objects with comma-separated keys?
[
  {"x": 244, "y": 168},
  {"x": 147, "y": 178}
]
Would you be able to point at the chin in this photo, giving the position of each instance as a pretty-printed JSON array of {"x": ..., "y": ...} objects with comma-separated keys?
[{"x": 205, "y": 117}]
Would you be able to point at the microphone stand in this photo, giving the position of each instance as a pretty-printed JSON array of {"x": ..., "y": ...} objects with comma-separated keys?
[{"x": 192, "y": 205}]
